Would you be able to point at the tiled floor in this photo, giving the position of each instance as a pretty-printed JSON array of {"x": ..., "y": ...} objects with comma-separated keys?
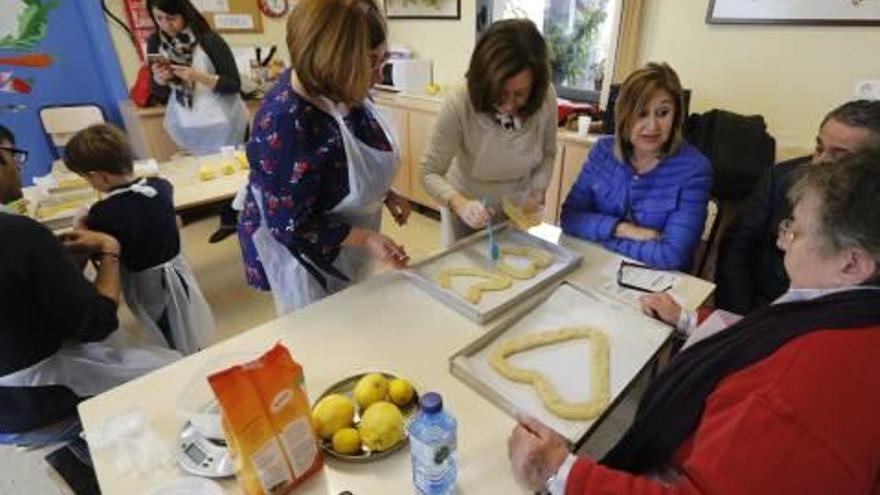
[{"x": 238, "y": 308}]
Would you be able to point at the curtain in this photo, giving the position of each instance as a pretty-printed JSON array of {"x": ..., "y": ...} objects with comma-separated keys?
[{"x": 628, "y": 37}]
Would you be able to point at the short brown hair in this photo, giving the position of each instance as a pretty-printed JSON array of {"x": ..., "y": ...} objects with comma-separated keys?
[
  {"x": 635, "y": 93},
  {"x": 330, "y": 43},
  {"x": 849, "y": 190},
  {"x": 506, "y": 49},
  {"x": 99, "y": 148}
]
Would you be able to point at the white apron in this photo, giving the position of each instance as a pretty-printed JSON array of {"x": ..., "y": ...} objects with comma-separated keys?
[
  {"x": 150, "y": 293},
  {"x": 214, "y": 120},
  {"x": 370, "y": 174},
  {"x": 91, "y": 368},
  {"x": 503, "y": 166}
]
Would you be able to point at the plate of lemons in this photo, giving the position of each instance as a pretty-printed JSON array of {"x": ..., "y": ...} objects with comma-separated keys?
[{"x": 365, "y": 417}]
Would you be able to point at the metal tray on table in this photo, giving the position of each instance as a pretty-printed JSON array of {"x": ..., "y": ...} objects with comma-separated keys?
[
  {"x": 472, "y": 251},
  {"x": 633, "y": 340}
]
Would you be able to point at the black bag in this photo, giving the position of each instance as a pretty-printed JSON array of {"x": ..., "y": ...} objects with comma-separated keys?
[{"x": 738, "y": 146}]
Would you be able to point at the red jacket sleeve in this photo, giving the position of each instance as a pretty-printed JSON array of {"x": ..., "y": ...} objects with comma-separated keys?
[{"x": 743, "y": 445}]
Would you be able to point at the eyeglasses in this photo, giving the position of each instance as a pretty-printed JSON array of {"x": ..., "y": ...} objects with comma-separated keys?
[
  {"x": 20, "y": 156},
  {"x": 643, "y": 278},
  {"x": 786, "y": 233}
]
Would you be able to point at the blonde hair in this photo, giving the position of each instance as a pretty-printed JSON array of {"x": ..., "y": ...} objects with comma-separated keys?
[
  {"x": 635, "y": 93},
  {"x": 330, "y": 42}
]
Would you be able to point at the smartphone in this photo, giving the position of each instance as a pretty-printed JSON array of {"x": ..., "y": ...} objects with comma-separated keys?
[{"x": 158, "y": 59}]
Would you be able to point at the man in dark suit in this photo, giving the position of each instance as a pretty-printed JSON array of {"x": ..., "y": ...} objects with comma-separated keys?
[{"x": 750, "y": 273}]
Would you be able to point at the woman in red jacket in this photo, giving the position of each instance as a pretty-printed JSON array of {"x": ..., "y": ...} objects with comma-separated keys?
[{"x": 785, "y": 400}]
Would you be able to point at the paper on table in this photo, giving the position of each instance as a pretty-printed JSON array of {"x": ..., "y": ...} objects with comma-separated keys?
[
  {"x": 655, "y": 280},
  {"x": 632, "y": 339}
]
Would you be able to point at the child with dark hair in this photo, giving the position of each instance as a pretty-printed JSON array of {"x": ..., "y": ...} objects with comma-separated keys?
[{"x": 158, "y": 283}]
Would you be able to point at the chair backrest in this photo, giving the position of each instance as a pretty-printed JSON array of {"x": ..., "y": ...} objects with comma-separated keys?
[
  {"x": 61, "y": 122},
  {"x": 708, "y": 238}
]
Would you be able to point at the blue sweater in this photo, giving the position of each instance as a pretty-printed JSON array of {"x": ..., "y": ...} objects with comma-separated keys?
[{"x": 671, "y": 199}]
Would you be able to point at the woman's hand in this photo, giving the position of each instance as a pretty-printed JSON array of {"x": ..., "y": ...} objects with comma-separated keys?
[
  {"x": 535, "y": 452},
  {"x": 184, "y": 73},
  {"x": 632, "y": 231},
  {"x": 662, "y": 307},
  {"x": 534, "y": 201},
  {"x": 382, "y": 248},
  {"x": 472, "y": 212},
  {"x": 161, "y": 73},
  {"x": 398, "y": 206},
  {"x": 80, "y": 242},
  {"x": 189, "y": 75}
]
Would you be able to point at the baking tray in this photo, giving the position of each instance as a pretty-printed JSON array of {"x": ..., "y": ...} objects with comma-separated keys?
[
  {"x": 633, "y": 340},
  {"x": 472, "y": 251}
]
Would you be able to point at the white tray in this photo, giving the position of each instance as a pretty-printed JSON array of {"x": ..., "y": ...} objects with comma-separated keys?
[
  {"x": 472, "y": 251},
  {"x": 633, "y": 341}
]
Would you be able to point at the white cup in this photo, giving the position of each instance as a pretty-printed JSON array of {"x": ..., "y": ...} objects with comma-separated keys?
[{"x": 584, "y": 122}]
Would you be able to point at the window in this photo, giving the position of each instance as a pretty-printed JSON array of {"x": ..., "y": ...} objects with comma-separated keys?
[{"x": 579, "y": 33}]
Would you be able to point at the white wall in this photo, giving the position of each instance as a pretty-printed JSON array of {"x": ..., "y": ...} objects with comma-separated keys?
[
  {"x": 792, "y": 75},
  {"x": 447, "y": 42}
]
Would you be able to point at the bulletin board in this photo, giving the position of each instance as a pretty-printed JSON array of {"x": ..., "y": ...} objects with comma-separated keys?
[{"x": 232, "y": 16}]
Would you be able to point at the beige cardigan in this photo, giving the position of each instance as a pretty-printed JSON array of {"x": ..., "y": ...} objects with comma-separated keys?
[{"x": 463, "y": 134}]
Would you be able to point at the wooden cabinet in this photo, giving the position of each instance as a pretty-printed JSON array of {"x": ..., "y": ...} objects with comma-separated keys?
[
  {"x": 421, "y": 125},
  {"x": 552, "y": 199},
  {"x": 399, "y": 120}
]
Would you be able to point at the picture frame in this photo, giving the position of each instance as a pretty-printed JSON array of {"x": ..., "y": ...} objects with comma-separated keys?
[
  {"x": 423, "y": 9},
  {"x": 795, "y": 12}
]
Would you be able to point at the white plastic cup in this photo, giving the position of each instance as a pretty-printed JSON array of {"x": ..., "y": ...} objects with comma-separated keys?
[{"x": 584, "y": 122}]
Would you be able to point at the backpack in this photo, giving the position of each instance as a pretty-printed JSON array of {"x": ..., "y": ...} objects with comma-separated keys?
[{"x": 738, "y": 146}]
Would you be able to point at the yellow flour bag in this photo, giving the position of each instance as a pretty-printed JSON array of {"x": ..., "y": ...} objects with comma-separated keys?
[{"x": 266, "y": 423}]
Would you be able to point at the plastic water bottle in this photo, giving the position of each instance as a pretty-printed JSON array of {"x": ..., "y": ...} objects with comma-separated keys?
[{"x": 433, "y": 447}]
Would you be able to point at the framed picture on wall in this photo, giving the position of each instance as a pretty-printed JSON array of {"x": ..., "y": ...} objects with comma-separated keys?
[
  {"x": 802, "y": 12},
  {"x": 423, "y": 9}
]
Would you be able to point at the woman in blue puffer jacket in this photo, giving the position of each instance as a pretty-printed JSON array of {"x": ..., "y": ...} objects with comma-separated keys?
[{"x": 643, "y": 192}]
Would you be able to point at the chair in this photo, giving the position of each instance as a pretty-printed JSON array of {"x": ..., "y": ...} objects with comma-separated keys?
[
  {"x": 61, "y": 122},
  {"x": 711, "y": 232}
]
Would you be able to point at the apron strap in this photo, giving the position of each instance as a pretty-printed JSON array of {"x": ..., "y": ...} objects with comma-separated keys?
[
  {"x": 307, "y": 264},
  {"x": 140, "y": 186}
]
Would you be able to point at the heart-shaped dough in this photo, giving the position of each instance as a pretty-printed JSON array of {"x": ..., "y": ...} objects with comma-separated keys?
[
  {"x": 538, "y": 260},
  {"x": 494, "y": 281},
  {"x": 546, "y": 391}
]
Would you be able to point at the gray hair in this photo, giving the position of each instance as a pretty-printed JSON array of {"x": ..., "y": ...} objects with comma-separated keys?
[{"x": 849, "y": 189}]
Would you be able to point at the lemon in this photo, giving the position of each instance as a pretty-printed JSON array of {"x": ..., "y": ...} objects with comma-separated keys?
[
  {"x": 347, "y": 441},
  {"x": 228, "y": 168},
  {"x": 373, "y": 387},
  {"x": 400, "y": 392},
  {"x": 331, "y": 414},
  {"x": 206, "y": 172},
  {"x": 242, "y": 160},
  {"x": 381, "y": 426}
]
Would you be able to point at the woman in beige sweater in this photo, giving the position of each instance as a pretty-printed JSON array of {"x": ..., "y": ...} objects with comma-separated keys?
[{"x": 495, "y": 137}]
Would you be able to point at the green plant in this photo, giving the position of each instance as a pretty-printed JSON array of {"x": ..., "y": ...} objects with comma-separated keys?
[{"x": 571, "y": 48}]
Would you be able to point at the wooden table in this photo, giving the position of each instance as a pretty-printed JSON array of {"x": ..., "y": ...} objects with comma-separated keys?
[
  {"x": 190, "y": 191},
  {"x": 384, "y": 323}
]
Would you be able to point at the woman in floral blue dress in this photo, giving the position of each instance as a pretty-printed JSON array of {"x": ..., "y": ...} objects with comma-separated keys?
[{"x": 322, "y": 161}]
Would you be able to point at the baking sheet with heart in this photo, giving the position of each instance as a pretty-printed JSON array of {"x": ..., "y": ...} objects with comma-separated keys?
[{"x": 632, "y": 339}]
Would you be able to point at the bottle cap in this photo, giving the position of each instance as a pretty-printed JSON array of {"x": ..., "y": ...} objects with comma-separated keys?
[{"x": 431, "y": 402}]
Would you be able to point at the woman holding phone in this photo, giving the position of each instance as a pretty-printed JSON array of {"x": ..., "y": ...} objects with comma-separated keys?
[{"x": 194, "y": 71}]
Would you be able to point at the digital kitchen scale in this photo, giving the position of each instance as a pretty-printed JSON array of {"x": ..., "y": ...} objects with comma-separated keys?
[{"x": 203, "y": 456}]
